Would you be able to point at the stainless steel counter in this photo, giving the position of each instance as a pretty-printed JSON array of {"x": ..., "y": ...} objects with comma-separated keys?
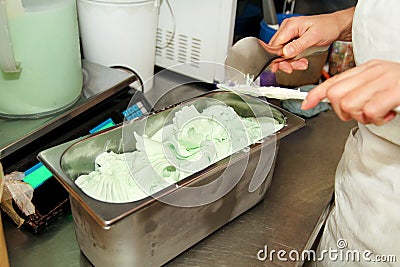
[{"x": 289, "y": 218}]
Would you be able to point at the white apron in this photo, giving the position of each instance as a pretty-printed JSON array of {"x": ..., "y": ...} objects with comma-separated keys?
[{"x": 364, "y": 225}]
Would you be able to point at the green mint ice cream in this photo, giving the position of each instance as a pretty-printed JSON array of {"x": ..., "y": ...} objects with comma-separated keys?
[{"x": 191, "y": 143}]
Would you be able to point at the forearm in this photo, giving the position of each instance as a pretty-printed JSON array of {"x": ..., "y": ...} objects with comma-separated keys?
[{"x": 344, "y": 20}]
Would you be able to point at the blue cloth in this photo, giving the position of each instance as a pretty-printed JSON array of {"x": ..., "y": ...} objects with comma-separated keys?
[{"x": 294, "y": 105}]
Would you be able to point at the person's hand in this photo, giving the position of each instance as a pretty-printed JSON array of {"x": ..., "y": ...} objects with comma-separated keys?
[
  {"x": 367, "y": 93},
  {"x": 299, "y": 33}
]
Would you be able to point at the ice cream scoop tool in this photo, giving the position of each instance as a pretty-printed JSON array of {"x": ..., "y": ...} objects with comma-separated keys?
[{"x": 250, "y": 57}]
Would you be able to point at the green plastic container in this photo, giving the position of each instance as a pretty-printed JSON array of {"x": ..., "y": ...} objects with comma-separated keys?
[{"x": 41, "y": 69}]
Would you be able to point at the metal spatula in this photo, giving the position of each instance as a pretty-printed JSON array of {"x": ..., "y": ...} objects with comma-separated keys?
[
  {"x": 274, "y": 92},
  {"x": 267, "y": 91},
  {"x": 250, "y": 58}
]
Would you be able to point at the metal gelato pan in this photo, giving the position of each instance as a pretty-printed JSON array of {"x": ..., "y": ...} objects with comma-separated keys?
[{"x": 154, "y": 230}]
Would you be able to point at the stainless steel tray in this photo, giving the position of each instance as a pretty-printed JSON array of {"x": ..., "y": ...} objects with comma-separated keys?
[{"x": 150, "y": 232}]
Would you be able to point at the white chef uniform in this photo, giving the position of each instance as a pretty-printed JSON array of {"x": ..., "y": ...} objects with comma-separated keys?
[{"x": 366, "y": 216}]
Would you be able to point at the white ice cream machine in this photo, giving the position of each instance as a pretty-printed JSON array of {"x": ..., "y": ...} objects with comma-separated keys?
[{"x": 191, "y": 31}]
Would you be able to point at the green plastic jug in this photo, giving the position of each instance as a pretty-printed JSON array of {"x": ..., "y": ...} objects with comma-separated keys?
[{"x": 40, "y": 59}]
